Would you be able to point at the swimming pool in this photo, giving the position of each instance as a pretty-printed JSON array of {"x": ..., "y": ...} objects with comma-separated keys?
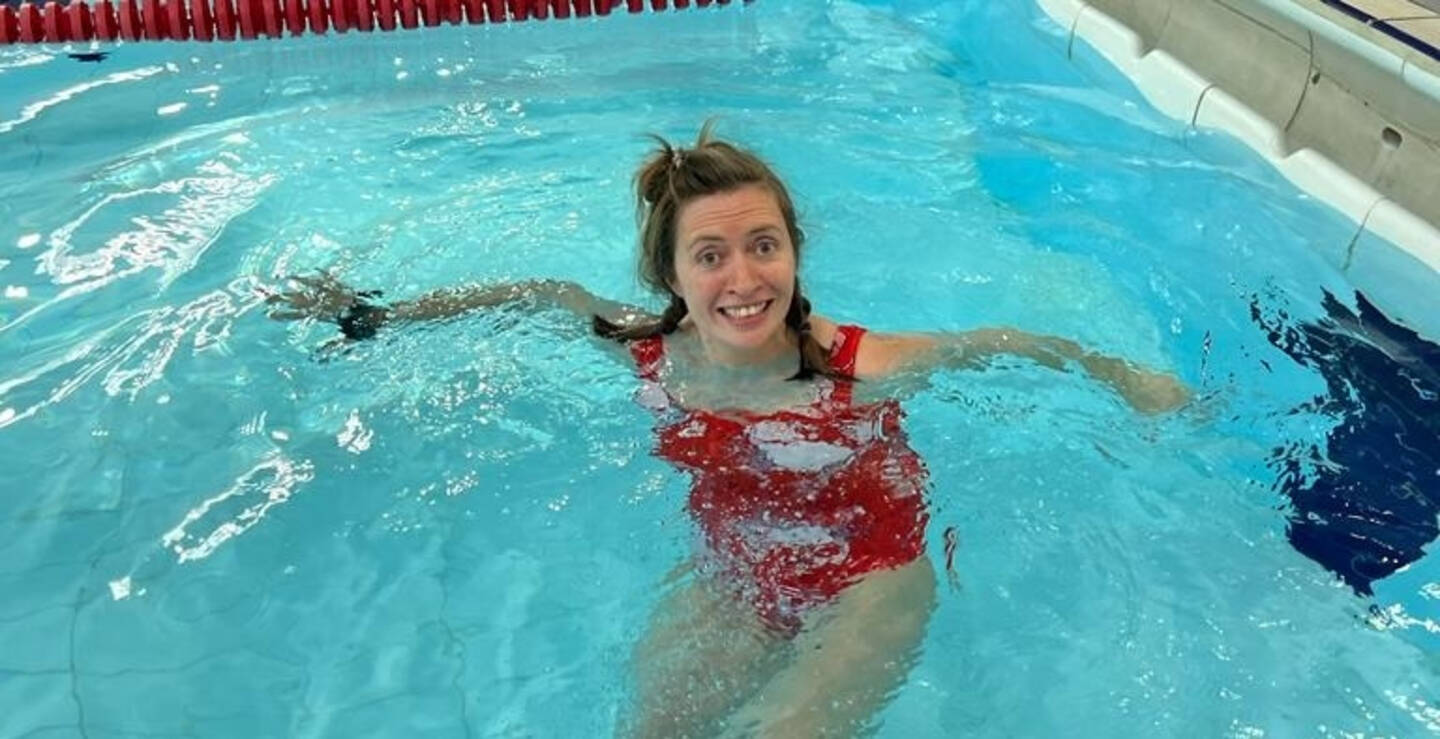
[{"x": 209, "y": 529}]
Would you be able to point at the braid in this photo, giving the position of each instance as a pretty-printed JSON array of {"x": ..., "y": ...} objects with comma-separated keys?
[
  {"x": 674, "y": 313},
  {"x": 813, "y": 357},
  {"x": 798, "y": 319}
]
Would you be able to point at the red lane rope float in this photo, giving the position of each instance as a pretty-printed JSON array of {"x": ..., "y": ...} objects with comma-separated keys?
[
  {"x": 9, "y": 25},
  {"x": 31, "y": 26},
  {"x": 80, "y": 20},
  {"x": 107, "y": 27},
  {"x": 130, "y": 28},
  {"x": 225, "y": 20},
  {"x": 54, "y": 22},
  {"x": 202, "y": 21}
]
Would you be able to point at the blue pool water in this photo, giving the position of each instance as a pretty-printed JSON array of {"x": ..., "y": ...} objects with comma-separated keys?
[{"x": 207, "y": 529}]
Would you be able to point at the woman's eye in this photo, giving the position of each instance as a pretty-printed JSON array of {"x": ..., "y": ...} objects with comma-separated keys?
[
  {"x": 766, "y": 246},
  {"x": 709, "y": 258}
]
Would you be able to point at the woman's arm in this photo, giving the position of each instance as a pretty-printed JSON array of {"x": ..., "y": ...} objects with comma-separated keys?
[
  {"x": 326, "y": 298},
  {"x": 563, "y": 294},
  {"x": 1147, "y": 391}
]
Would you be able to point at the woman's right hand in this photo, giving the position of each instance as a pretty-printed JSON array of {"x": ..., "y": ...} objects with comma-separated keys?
[
  {"x": 1152, "y": 392},
  {"x": 322, "y": 298}
]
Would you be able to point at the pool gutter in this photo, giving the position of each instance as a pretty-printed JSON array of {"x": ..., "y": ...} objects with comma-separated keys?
[{"x": 1347, "y": 113}]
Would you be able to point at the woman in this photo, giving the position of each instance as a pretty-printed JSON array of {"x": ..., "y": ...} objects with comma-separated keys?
[{"x": 808, "y": 601}]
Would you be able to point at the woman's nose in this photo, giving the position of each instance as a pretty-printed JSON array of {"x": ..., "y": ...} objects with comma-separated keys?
[{"x": 744, "y": 275}]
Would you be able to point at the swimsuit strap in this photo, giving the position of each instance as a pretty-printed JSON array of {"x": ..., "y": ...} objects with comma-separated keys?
[
  {"x": 648, "y": 353},
  {"x": 843, "y": 352},
  {"x": 845, "y": 348}
]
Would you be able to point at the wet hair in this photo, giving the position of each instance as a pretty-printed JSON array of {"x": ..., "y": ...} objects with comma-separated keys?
[{"x": 670, "y": 179}]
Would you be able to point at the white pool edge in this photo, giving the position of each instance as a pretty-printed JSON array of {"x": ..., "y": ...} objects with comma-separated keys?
[{"x": 1180, "y": 92}]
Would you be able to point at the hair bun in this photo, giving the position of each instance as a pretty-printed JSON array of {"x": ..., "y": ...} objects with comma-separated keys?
[{"x": 653, "y": 181}]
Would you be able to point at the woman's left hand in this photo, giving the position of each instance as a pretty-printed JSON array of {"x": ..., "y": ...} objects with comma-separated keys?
[
  {"x": 1152, "y": 392},
  {"x": 321, "y": 298}
]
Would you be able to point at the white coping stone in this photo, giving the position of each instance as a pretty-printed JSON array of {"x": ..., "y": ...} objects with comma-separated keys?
[
  {"x": 1394, "y": 223},
  {"x": 1396, "y": 280},
  {"x": 1421, "y": 80},
  {"x": 1360, "y": 46},
  {"x": 1173, "y": 88},
  {"x": 1063, "y": 12},
  {"x": 1307, "y": 169},
  {"x": 1375, "y": 264},
  {"x": 1220, "y": 109},
  {"x": 1376, "y": 78},
  {"x": 1314, "y": 173},
  {"x": 1375, "y": 55}
]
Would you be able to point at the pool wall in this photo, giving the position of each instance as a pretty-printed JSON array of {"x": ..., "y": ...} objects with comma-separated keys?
[{"x": 1348, "y": 114}]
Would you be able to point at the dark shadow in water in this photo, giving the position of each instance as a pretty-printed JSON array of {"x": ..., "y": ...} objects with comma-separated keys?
[{"x": 1364, "y": 504}]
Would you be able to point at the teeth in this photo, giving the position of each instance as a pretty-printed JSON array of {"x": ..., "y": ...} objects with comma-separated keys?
[{"x": 744, "y": 311}]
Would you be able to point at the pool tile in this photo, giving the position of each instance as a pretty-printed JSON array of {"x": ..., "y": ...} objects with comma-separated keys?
[
  {"x": 38, "y": 704},
  {"x": 1425, "y": 29},
  {"x": 1389, "y": 9},
  {"x": 38, "y": 641},
  {"x": 435, "y": 712},
  {"x": 38, "y": 588},
  {"x": 225, "y": 695}
]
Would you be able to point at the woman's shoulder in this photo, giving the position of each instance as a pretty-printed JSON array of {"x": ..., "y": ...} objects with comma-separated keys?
[
  {"x": 878, "y": 354},
  {"x": 824, "y": 330},
  {"x": 843, "y": 343}
]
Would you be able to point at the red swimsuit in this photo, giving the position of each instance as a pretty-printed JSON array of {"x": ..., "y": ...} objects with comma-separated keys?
[{"x": 795, "y": 505}]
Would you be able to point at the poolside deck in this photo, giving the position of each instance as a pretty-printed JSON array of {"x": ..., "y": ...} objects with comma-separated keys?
[{"x": 1415, "y": 22}]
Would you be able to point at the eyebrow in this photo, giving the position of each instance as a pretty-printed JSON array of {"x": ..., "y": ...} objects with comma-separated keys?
[{"x": 708, "y": 238}]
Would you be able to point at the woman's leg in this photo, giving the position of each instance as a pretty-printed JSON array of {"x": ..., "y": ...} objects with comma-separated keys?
[
  {"x": 849, "y": 659},
  {"x": 703, "y": 654}
]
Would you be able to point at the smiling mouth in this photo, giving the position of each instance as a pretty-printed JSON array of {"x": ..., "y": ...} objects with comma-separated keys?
[{"x": 749, "y": 310}]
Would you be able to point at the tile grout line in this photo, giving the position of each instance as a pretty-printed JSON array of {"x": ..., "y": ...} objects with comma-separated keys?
[
  {"x": 1355, "y": 240},
  {"x": 454, "y": 640},
  {"x": 1312, "y": 77},
  {"x": 74, "y": 669},
  {"x": 1200, "y": 101},
  {"x": 1074, "y": 24},
  {"x": 79, "y": 605}
]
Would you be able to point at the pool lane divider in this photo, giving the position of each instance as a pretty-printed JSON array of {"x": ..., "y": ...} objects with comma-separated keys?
[{"x": 229, "y": 20}]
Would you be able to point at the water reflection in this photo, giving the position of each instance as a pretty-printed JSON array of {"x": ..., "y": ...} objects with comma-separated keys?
[{"x": 1365, "y": 499}]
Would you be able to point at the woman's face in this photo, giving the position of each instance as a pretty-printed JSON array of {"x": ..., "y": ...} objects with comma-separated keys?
[{"x": 735, "y": 269}]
